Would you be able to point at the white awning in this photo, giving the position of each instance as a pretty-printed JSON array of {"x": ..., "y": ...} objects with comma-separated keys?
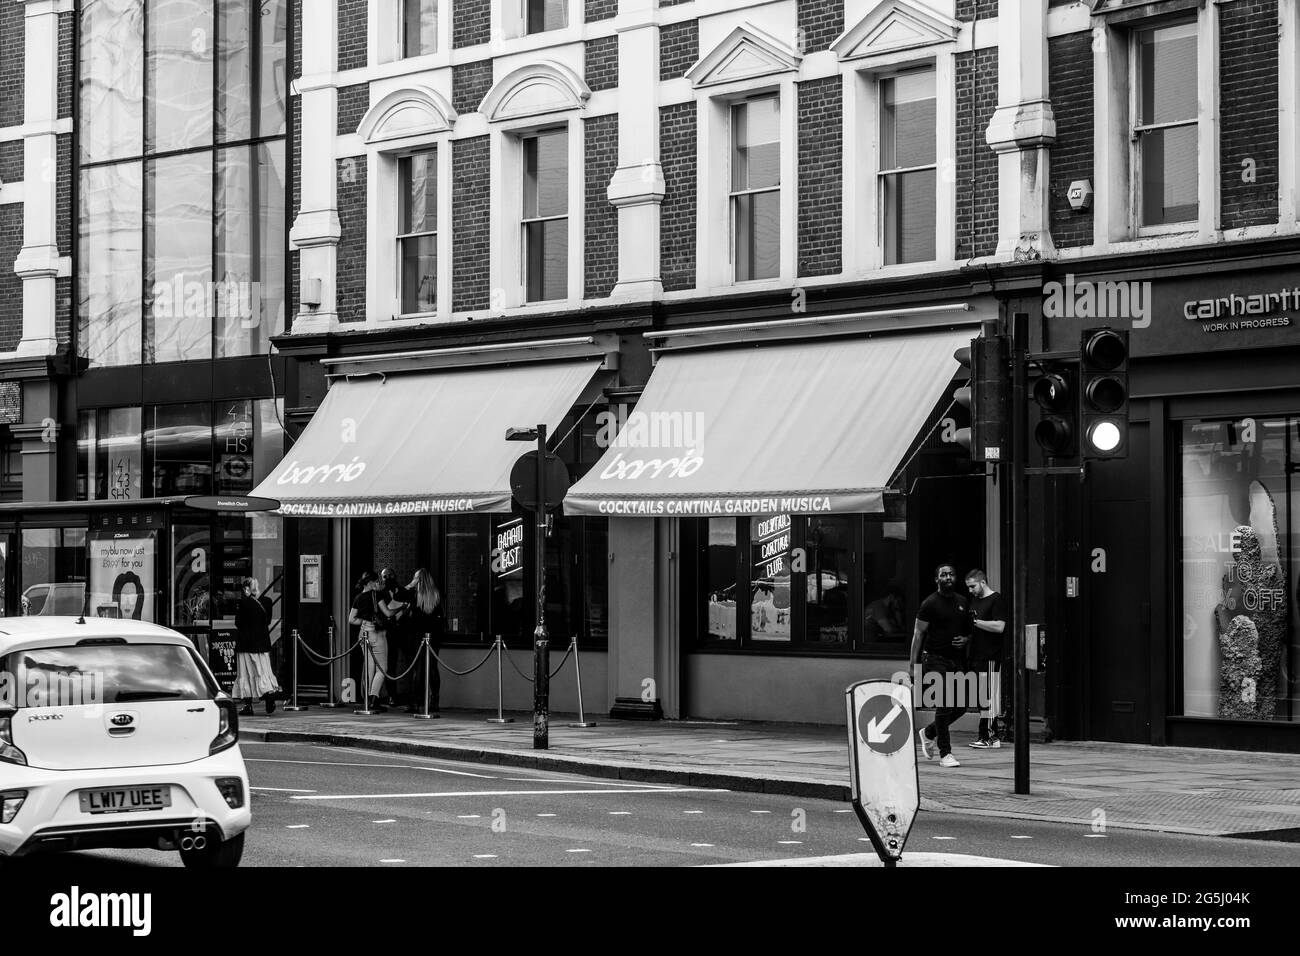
[
  {"x": 422, "y": 442},
  {"x": 799, "y": 428}
]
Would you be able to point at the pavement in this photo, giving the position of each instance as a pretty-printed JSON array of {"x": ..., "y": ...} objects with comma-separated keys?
[{"x": 1100, "y": 785}]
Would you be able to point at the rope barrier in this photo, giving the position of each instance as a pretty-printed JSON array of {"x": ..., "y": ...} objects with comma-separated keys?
[
  {"x": 453, "y": 670},
  {"x": 387, "y": 676},
  {"x": 560, "y": 666},
  {"x": 506, "y": 654},
  {"x": 320, "y": 659}
]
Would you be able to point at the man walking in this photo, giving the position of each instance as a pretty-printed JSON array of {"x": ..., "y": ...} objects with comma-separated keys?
[
  {"x": 939, "y": 643},
  {"x": 988, "y": 625}
]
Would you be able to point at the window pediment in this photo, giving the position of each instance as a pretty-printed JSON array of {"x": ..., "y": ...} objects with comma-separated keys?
[
  {"x": 747, "y": 52},
  {"x": 535, "y": 90},
  {"x": 1122, "y": 11},
  {"x": 892, "y": 26},
  {"x": 414, "y": 111}
]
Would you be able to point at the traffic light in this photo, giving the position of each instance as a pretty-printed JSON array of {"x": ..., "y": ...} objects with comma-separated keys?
[
  {"x": 1057, "y": 430},
  {"x": 986, "y": 395},
  {"x": 1103, "y": 393}
]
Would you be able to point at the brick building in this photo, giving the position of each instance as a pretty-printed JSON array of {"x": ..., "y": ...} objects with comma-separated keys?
[{"x": 779, "y": 216}]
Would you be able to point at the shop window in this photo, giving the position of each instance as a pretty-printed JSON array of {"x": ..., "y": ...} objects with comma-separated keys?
[
  {"x": 53, "y": 571},
  {"x": 417, "y": 239},
  {"x": 1240, "y": 557},
  {"x": 178, "y": 450},
  {"x": 908, "y": 164},
  {"x": 546, "y": 215},
  {"x": 828, "y": 579},
  {"x": 11, "y": 471},
  {"x": 462, "y": 560},
  {"x": 191, "y": 575},
  {"x": 1165, "y": 125},
  {"x": 419, "y": 27},
  {"x": 721, "y": 576},
  {"x": 109, "y": 462},
  {"x": 756, "y": 188}
]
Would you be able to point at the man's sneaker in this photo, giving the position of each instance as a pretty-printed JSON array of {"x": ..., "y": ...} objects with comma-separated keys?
[
  {"x": 980, "y": 744},
  {"x": 927, "y": 745},
  {"x": 994, "y": 743},
  {"x": 949, "y": 761}
]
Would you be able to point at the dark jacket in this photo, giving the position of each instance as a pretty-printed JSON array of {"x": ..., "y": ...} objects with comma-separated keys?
[
  {"x": 252, "y": 627},
  {"x": 416, "y": 623}
]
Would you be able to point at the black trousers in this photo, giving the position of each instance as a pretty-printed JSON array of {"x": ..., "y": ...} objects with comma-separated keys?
[{"x": 944, "y": 717}]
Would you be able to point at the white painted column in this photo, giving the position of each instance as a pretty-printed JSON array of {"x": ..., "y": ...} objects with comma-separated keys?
[
  {"x": 316, "y": 230},
  {"x": 637, "y": 188},
  {"x": 1022, "y": 130},
  {"x": 38, "y": 263}
]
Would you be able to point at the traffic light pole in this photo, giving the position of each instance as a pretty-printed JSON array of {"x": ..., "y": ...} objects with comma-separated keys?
[
  {"x": 1020, "y": 539},
  {"x": 541, "y": 640}
]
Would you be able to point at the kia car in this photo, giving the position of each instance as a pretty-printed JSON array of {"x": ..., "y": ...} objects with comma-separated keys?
[{"x": 114, "y": 733}]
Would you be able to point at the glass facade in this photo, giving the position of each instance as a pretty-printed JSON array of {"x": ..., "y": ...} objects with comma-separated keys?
[
  {"x": 181, "y": 225},
  {"x": 1240, "y": 556}
]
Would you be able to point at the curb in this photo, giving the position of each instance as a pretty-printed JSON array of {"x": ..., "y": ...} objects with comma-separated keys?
[{"x": 637, "y": 773}]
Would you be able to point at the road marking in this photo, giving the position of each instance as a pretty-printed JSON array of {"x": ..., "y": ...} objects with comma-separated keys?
[
  {"x": 485, "y": 856},
  {"x": 498, "y": 793},
  {"x": 282, "y": 789},
  {"x": 392, "y": 861},
  {"x": 841, "y": 811},
  {"x": 1099, "y": 835},
  {"x": 468, "y": 816},
  {"x": 692, "y": 811},
  {"x": 620, "y": 813},
  {"x": 864, "y": 839},
  {"x": 383, "y": 821},
  {"x": 298, "y": 826},
  {"x": 789, "y": 842},
  {"x": 932, "y": 838},
  {"x": 1018, "y": 837},
  {"x": 546, "y": 814},
  {"x": 390, "y": 766},
  {"x": 701, "y": 844},
  {"x": 594, "y": 783},
  {"x": 577, "y": 851},
  {"x": 870, "y": 859},
  {"x": 760, "y": 811}
]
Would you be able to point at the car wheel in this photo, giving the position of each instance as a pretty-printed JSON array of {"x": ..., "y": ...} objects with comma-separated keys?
[{"x": 215, "y": 856}]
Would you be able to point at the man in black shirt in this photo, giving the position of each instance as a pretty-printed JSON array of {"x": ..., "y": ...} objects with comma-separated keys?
[
  {"x": 988, "y": 628},
  {"x": 939, "y": 643}
]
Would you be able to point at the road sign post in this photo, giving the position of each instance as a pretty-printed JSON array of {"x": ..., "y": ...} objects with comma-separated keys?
[{"x": 882, "y": 759}]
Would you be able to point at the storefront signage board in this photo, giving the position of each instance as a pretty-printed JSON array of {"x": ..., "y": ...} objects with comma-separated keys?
[
  {"x": 886, "y": 790},
  {"x": 122, "y": 569},
  {"x": 309, "y": 577},
  {"x": 231, "y": 503}
]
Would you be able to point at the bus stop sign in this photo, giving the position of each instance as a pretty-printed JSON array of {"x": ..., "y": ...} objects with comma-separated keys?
[{"x": 882, "y": 758}]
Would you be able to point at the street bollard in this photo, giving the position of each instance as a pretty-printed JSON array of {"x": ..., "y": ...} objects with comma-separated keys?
[
  {"x": 364, "y": 692},
  {"x": 428, "y": 662},
  {"x": 500, "y": 718},
  {"x": 577, "y": 672},
  {"x": 295, "y": 706},
  {"x": 329, "y": 672}
]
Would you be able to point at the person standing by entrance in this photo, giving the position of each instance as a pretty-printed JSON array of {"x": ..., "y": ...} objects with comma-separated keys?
[
  {"x": 939, "y": 644},
  {"x": 366, "y": 613},
  {"x": 988, "y": 626},
  {"x": 423, "y": 615},
  {"x": 253, "y": 651}
]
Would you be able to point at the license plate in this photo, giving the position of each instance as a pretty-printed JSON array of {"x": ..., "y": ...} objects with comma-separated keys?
[{"x": 125, "y": 800}]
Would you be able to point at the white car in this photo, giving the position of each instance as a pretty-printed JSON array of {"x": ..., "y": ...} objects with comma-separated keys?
[{"x": 115, "y": 734}]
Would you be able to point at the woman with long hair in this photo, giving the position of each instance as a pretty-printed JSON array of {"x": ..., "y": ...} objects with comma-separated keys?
[
  {"x": 253, "y": 651},
  {"x": 424, "y": 615}
]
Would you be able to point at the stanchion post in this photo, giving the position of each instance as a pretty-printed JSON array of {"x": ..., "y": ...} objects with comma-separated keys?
[
  {"x": 577, "y": 673},
  {"x": 428, "y": 662},
  {"x": 295, "y": 706},
  {"x": 364, "y": 691},
  {"x": 329, "y": 670},
  {"x": 500, "y": 718}
]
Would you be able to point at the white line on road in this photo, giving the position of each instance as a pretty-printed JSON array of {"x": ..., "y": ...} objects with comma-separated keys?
[
  {"x": 498, "y": 793},
  {"x": 281, "y": 789},
  {"x": 1017, "y": 837},
  {"x": 468, "y": 816},
  {"x": 932, "y": 838},
  {"x": 383, "y": 821},
  {"x": 298, "y": 826},
  {"x": 790, "y": 842},
  {"x": 1101, "y": 835},
  {"x": 546, "y": 814},
  {"x": 577, "y": 851},
  {"x": 485, "y": 856},
  {"x": 390, "y": 766},
  {"x": 596, "y": 783},
  {"x": 692, "y": 811},
  {"x": 760, "y": 811},
  {"x": 701, "y": 844},
  {"x": 841, "y": 811},
  {"x": 392, "y": 861},
  {"x": 620, "y": 813}
]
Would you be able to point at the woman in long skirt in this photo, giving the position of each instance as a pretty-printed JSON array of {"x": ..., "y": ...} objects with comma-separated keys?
[{"x": 253, "y": 651}]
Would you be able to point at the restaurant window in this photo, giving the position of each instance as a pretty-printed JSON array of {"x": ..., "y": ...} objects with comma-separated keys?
[
  {"x": 543, "y": 15},
  {"x": 756, "y": 188},
  {"x": 908, "y": 164},
  {"x": 417, "y": 240},
  {"x": 546, "y": 215},
  {"x": 1240, "y": 556},
  {"x": 174, "y": 226},
  {"x": 1165, "y": 124},
  {"x": 419, "y": 27}
]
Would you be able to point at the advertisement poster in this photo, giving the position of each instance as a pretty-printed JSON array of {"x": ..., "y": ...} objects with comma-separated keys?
[
  {"x": 221, "y": 658},
  {"x": 122, "y": 583},
  {"x": 310, "y": 578}
]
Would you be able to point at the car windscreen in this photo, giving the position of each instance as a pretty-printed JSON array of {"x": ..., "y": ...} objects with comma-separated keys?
[{"x": 102, "y": 674}]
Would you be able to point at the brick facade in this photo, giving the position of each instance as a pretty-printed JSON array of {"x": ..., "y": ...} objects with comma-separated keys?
[
  {"x": 470, "y": 225},
  {"x": 672, "y": 3},
  {"x": 63, "y": 194},
  {"x": 677, "y": 149},
  {"x": 600, "y": 241},
  {"x": 352, "y": 34},
  {"x": 11, "y": 161},
  {"x": 820, "y": 22},
  {"x": 1248, "y": 128},
  {"x": 11, "y": 287},
  {"x": 13, "y": 54},
  {"x": 977, "y": 165},
  {"x": 600, "y": 59},
  {"x": 821, "y": 140},
  {"x": 65, "y": 65},
  {"x": 1070, "y": 90},
  {"x": 976, "y": 9},
  {"x": 295, "y": 194},
  {"x": 353, "y": 103},
  {"x": 471, "y": 23},
  {"x": 295, "y": 15},
  {"x": 594, "y": 10},
  {"x": 679, "y": 48},
  {"x": 470, "y": 82},
  {"x": 351, "y": 292}
]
